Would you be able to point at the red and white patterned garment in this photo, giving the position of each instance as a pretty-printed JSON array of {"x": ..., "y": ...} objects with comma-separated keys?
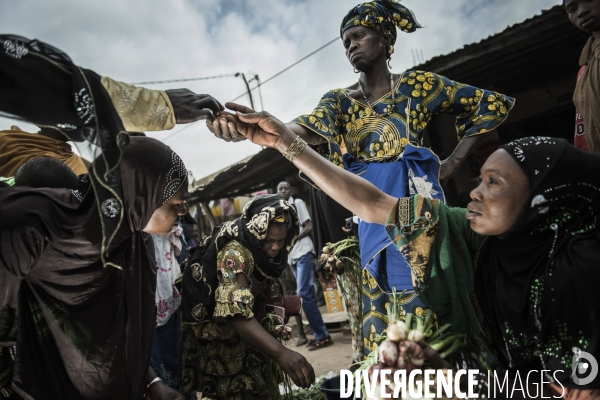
[{"x": 168, "y": 298}]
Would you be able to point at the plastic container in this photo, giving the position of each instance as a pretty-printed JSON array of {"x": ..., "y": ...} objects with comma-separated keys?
[{"x": 331, "y": 388}]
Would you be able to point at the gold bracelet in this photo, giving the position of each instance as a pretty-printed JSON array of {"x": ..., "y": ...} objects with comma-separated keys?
[{"x": 295, "y": 149}]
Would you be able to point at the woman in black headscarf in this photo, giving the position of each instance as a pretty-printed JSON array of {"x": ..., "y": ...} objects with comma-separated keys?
[
  {"x": 77, "y": 277},
  {"x": 83, "y": 325},
  {"x": 537, "y": 281},
  {"x": 525, "y": 251},
  {"x": 227, "y": 352}
]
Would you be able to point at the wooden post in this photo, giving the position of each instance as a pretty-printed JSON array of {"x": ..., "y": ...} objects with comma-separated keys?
[{"x": 208, "y": 213}]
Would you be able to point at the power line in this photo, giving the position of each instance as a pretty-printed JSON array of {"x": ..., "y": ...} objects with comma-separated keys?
[
  {"x": 188, "y": 79},
  {"x": 287, "y": 68},
  {"x": 265, "y": 81}
]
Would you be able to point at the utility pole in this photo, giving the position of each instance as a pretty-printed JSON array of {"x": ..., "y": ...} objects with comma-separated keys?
[
  {"x": 249, "y": 92},
  {"x": 257, "y": 79}
]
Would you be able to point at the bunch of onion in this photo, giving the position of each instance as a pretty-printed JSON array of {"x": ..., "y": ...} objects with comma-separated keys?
[
  {"x": 336, "y": 257},
  {"x": 284, "y": 332},
  {"x": 413, "y": 344},
  {"x": 404, "y": 342}
]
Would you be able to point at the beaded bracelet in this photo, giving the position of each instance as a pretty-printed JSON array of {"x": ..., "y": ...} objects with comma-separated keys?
[{"x": 295, "y": 149}]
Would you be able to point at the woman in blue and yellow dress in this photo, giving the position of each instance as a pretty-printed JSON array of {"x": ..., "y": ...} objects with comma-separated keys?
[{"x": 379, "y": 121}]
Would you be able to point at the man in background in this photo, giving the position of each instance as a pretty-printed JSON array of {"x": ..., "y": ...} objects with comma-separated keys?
[
  {"x": 302, "y": 261},
  {"x": 585, "y": 15}
]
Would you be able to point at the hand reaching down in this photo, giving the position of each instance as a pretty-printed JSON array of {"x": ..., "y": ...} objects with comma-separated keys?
[{"x": 295, "y": 365}]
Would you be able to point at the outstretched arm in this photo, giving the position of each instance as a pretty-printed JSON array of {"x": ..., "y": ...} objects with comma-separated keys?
[
  {"x": 351, "y": 191},
  {"x": 226, "y": 129},
  {"x": 291, "y": 362},
  {"x": 142, "y": 109},
  {"x": 190, "y": 107}
]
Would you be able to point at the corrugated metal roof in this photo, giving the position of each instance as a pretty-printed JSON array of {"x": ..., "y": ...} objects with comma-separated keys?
[
  {"x": 260, "y": 171},
  {"x": 556, "y": 10}
]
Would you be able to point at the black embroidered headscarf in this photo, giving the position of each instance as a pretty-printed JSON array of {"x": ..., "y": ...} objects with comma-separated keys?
[
  {"x": 381, "y": 15},
  {"x": 537, "y": 283},
  {"x": 83, "y": 330},
  {"x": 250, "y": 230},
  {"x": 41, "y": 85}
]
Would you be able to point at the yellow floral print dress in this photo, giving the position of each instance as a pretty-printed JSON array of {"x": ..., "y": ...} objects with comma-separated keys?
[
  {"x": 373, "y": 147},
  {"x": 418, "y": 95}
]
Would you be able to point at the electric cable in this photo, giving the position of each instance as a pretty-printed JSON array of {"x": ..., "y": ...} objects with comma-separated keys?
[{"x": 265, "y": 81}]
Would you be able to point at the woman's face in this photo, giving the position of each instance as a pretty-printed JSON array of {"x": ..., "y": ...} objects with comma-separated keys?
[
  {"x": 168, "y": 214},
  {"x": 275, "y": 240},
  {"x": 364, "y": 46},
  {"x": 500, "y": 197}
]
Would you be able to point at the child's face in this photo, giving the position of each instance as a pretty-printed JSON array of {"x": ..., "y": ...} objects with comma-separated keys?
[{"x": 584, "y": 14}]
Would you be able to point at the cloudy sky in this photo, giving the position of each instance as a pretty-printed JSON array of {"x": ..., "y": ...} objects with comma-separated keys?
[{"x": 150, "y": 40}]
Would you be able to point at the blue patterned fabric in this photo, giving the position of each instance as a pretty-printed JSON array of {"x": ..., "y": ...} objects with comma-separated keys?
[
  {"x": 386, "y": 152},
  {"x": 375, "y": 303},
  {"x": 415, "y": 172}
]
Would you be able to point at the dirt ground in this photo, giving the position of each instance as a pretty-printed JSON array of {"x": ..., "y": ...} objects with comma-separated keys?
[{"x": 332, "y": 358}]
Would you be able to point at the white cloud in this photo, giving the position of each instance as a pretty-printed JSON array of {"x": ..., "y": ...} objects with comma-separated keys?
[{"x": 144, "y": 40}]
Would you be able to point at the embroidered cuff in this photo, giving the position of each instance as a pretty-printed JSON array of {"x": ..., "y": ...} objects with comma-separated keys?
[
  {"x": 232, "y": 300},
  {"x": 140, "y": 109}
]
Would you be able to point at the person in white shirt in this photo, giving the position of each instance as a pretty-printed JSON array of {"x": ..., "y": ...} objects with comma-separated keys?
[{"x": 302, "y": 261}]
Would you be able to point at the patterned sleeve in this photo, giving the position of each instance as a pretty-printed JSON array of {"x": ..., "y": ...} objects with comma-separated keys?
[
  {"x": 326, "y": 120},
  {"x": 412, "y": 225},
  {"x": 232, "y": 299},
  {"x": 477, "y": 110},
  {"x": 415, "y": 223},
  {"x": 140, "y": 109}
]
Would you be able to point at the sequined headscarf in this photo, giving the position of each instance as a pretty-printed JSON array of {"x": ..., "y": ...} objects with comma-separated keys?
[
  {"x": 250, "y": 230},
  {"x": 151, "y": 173},
  {"x": 112, "y": 309},
  {"x": 537, "y": 282},
  {"x": 381, "y": 15},
  {"x": 41, "y": 85}
]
